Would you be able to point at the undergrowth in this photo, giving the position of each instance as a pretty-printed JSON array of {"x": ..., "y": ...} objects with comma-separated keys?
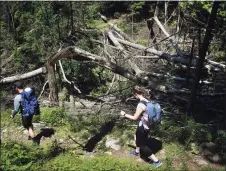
[{"x": 176, "y": 133}]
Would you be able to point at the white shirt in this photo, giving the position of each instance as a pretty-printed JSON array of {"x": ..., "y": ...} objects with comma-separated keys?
[{"x": 144, "y": 116}]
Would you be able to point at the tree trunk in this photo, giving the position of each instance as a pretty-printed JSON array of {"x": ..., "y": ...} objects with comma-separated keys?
[
  {"x": 119, "y": 46},
  {"x": 23, "y": 76},
  {"x": 171, "y": 39},
  {"x": 53, "y": 94},
  {"x": 158, "y": 53},
  {"x": 202, "y": 54},
  {"x": 72, "y": 20},
  {"x": 114, "y": 27},
  {"x": 166, "y": 10}
]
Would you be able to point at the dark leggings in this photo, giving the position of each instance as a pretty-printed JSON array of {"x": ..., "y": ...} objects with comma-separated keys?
[
  {"x": 27, "y": 121},
  {"x": 142, "y": 140}
]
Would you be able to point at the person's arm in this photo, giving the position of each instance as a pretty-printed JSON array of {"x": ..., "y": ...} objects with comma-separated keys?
[
  {"x": 17, "y": 100},
  {"x": 135, "y": 116}
]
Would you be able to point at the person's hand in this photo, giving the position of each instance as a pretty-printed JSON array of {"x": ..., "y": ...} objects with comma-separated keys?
[{"x": 122, "y": 113}]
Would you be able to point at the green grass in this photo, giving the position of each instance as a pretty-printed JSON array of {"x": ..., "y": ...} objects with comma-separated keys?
[
  {"x": 98, "y": 24},
  {"x": 16, "y": 156}
]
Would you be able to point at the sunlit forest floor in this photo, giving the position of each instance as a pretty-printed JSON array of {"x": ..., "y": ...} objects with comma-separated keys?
[{"x": 62, "y": 147}]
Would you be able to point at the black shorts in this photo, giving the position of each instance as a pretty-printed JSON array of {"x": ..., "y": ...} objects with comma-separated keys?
[{"x": 27, "y": 121}]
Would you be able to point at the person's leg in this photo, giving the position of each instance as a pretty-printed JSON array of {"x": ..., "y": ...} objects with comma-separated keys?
[
  {"x": 139, "y": 138},
  {"x": 31, "y": 132},
  {"x": 30, "y": 127},
  {"x": 27, "y": 123},
  {"x": 153, "y": 158},
  {"x": 144, "y": 149},
  {"x": 143, "y": 139}
]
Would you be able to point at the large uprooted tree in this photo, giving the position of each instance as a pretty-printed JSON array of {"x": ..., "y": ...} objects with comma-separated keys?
[{"x": 124, "y": 56}]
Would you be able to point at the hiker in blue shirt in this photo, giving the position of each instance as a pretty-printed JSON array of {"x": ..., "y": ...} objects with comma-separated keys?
[
  {"x": 26, "y": 119},
  {"x": 143, "y": 126}
]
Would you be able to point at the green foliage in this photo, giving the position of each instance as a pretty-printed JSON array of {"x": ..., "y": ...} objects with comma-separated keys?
[
  {"x": 15, "y": 156},
  {"x": 7, "y": 121},
  {"x": 99, "y": 24},
  {"x": 92, "y": 123},
  {"x": 3, "y": 94},
  {"x": 100, "y": 163},
  {"x": 54, "y": 116},
  {"x": 117, "y": 15},
  {"x": 137, "y": 7},
  {"x": 177, "y": 128},
  {"x": 124, "y": 27},
  {"x": 221, "y": 142},
  {"x": 143, "y": 42}
]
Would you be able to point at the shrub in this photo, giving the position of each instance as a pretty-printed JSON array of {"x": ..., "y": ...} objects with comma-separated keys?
[
  {"x": 221, "y": 142},
  {"x": 55, "y": 116},
  {"x": 16, "y": 156},
  {"x": 116, "y": 15}
]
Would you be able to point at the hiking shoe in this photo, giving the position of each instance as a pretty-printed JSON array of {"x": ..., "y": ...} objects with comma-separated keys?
[
  {"x": 134, "y": 153},
  {"x": 157, "y": 164}
]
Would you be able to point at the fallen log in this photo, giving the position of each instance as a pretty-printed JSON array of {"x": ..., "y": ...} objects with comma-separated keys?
[
  {"x": 23, "y": 76},
  {"x": 173, "y": 58},
  {"x": 113, "y": 26},
  {"x": 179, "y": 52},
  {"x": 158, "y": 53},
  {"x": 75, "y": 53},
  {"x": 118, "y": 45}
]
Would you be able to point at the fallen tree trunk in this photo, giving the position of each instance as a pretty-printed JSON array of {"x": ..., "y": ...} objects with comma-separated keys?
[
  {"x": 23, "y": 76},
  {"x": 75, "y": 53},
  {"x": 158, "y": 53},
  {"x": 179, "y": 52},
  {"x": 114, "y": 27},
  {"x": 215, "y": 66},
  {"x": 118, "y": 45}
]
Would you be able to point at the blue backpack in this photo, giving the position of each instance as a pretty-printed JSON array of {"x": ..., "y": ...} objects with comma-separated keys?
[
  {"x": 153, "y": 110},
  {"x": 30, "y": 104}
]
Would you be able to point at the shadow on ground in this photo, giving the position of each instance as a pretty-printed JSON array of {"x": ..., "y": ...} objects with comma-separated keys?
[
  {"x": 45, "y": 132},
  {"x": 105, "y": 129}
]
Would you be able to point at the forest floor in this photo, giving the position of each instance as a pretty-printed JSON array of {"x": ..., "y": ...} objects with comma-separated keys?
[{"x": 172, "y": 154}]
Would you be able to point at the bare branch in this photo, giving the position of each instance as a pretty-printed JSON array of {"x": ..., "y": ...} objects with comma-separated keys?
[
  {"x": 43, "y": 88},
  {"x": 69, "y": 82},
  {"x": 112, "y": 82}
]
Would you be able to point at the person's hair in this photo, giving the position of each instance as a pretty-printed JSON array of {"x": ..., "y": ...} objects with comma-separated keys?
[
  {"x": 141, "y": 91},
  {"x": 19, "y": 85}
]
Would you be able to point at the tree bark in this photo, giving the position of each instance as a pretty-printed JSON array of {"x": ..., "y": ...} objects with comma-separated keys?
[
  {"x": 118, "y": 45},
  {"x": 167, "y": 35},
  {"x": 166, "y": 10},
  {"x": 173, "y": 58},
  {"x": 202, "y": 54},
  {"x": 114, "y": 27},
  {"x": 23, "y": 76},
  {"x": 158, "y": 53},
  {"x": 53, "y": 94}
]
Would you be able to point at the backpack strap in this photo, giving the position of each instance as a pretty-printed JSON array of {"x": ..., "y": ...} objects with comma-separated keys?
[{"x": 143, "y": 102}]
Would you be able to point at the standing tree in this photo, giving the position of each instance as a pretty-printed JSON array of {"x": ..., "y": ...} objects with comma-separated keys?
[{"x": 202, "y": 54}]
